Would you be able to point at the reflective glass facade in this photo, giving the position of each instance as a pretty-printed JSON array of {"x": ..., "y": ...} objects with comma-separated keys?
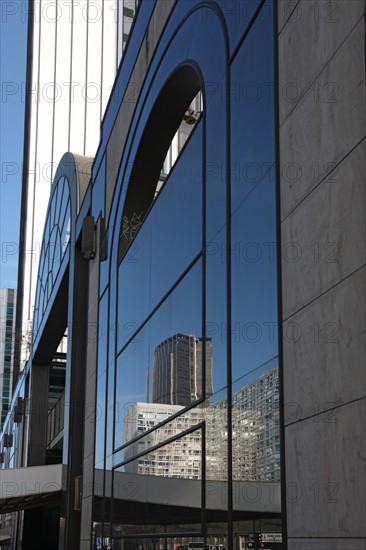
[
  {"x": 56, "y": 238},
  {"x": 187, "y": 445}
]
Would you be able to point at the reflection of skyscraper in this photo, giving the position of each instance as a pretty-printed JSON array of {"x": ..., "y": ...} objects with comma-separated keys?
[{"x": 177, "y": 371}]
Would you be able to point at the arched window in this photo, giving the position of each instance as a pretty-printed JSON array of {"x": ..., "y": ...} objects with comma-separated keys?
[
  {"x": 56, "y": 237},
  {"x": 171, "y": 121}
]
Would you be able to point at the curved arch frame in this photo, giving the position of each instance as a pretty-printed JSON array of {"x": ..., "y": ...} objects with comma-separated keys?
[
  {"x": 74, "y": 173},
  {"x": 178, "y": 92},
  {"x": 158, "y": 75},
  {"x": 56, "y": 237}
]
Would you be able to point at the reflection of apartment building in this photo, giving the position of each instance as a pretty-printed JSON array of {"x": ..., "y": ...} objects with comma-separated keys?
[
  {"x": 255, "y": 429},
  {"x": 7, "y": 328},
  {"x": 141, "y": 417},
  {"x": 181, "y": 458},
  {"x": 178, "y": 370},
  {"x": 255, "y": 425}
]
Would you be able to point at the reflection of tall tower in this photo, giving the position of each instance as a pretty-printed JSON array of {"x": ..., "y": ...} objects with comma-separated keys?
[{"x": 177, "y": 371}]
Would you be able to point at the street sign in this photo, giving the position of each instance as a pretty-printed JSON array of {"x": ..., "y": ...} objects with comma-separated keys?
[{"x": 272, "y": 537}]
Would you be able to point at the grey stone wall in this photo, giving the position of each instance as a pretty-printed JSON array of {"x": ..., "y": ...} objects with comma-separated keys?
[{"x": 322, "y": 165}]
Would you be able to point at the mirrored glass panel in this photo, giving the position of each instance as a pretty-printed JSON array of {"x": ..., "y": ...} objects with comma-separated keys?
[
  {"x": 166, "y": 242},
  {"x": 216, "y": 308},
  {"x": 216, "y": 439},
  {"x": 143, "y": 420},
  {"x": 216, "y": 162},
  {"x": 56, "y": 237},
  {"x": 181, "y": 458},
  {"x": 160, "y": 489},
  {"x": 255, "y": 423},
  {"x": 112, "y": 337},
  {"x": 164, "y": 362},
  {"x": 254, "y": 270},
  {"x": 254, "y": 280},
  {"x": 101, "y": 407}
]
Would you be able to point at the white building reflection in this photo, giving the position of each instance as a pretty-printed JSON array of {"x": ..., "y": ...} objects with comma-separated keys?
[{"x": 255, "y": 429}]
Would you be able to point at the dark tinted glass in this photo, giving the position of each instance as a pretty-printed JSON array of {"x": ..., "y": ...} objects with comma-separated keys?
[
  {"x": 255, "y": 397},
  {"x": 161, "y": 482},
  {"x": 101, "y": 378},
  {"x": 164, "y": 361},
  {"x": 254, "y": 275}
]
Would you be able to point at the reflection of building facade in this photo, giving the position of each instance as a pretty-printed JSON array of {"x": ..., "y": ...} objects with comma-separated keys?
[
  {"x": 177, "y": 371},
  {"x": 255, "y": 429},
  {"x": 181, "y": 458},
  {"x": 7, "y": 333},
  {"x": 143, "y": 416},
  {"x": 210, "y": 201},
  {"x": 256, "y": 435}
]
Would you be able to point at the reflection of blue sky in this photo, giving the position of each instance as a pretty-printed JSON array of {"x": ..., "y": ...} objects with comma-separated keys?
[
  {"x": 56, "y": 237},
  {"x": 168, "y": 241},
  {"x": 252, "y": 100},
  {"x": 254, "y": 283},
  {"x": 254, "y": 374}
]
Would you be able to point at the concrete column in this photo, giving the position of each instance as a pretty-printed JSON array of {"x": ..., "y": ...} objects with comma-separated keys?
[
  {"x": 322, "y": 168},
  {"x": 74, "y": 399},
  {"x": 38, "y": 415},
  {"x": 33, "y": 519}
]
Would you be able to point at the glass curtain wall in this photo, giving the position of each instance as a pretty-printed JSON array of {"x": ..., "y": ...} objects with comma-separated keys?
[{"x": 188, "y": 384}]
